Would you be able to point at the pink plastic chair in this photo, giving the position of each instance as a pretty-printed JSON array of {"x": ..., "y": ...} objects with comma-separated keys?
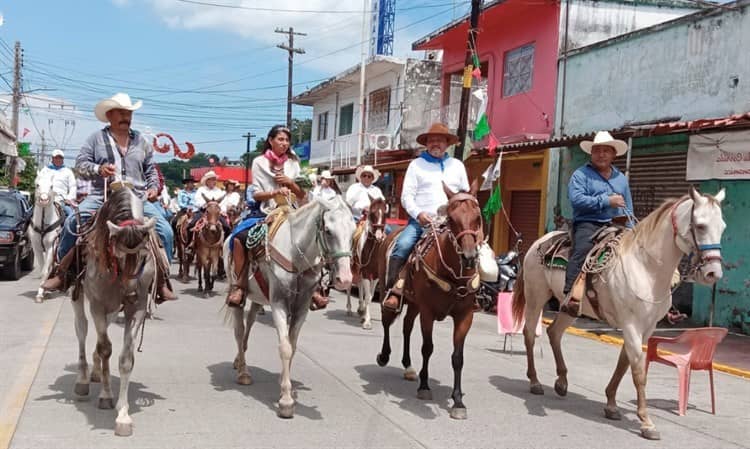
[
  {"x": 505, "y": 323},
  {"x": 702, "y": 345}
]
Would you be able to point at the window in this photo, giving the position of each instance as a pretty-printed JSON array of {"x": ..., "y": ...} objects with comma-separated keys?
[
  {"x": 346, "y": 117},
  {"x": 323, "y": 126},
  {"x": 518, "y": 70},
  {"x": 380, "y": 104}
]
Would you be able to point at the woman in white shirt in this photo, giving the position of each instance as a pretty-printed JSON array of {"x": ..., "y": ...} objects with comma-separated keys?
[
  {"x": 232, "y": 198},
  {"x": 328, "y": 189},
  {"x": 358, "y": 195}
]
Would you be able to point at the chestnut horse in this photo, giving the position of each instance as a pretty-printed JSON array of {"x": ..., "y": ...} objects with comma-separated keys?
[
  {"x": 182, "y": 245},
  {"x": 208, "y": 242},
  {"x": 441, "y": 280}
]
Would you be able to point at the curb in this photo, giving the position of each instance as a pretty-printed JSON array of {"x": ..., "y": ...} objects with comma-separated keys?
[{"x": 617, "y": 341}]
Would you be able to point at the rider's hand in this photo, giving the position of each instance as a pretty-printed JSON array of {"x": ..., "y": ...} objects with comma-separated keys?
[
  {"x": 283, "y": 180},
  {"x": 152, "y": 195},
  {"x": 107, "y": 170},
  {"x": 616, "y": 201},
  {"x": 424, "y": 218},
  {"x": 283, "y": 191}
]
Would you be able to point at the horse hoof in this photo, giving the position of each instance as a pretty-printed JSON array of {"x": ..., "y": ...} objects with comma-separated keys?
[
  {"x": 650, "y": 434},
  {"x": 81, "y": 390},
  {"x": 39, "y": 299},
  {"x": 537, "y": 389},
  {"x": 425, "y": 395},
  {"x": 561, "y": 388},
  {"x": 410, "y": 374},
  {"x": 286, "y": 411},
  {"x": 123, "y": 429},
  {"x": 367, "y": 325},
  {"x": 612, "y": 413},
  {"x": 244, "y": 379},
  {"x": 458, "y": 413},
  {"x": 361, "y": 312},
  {"x": 95, "y": 378},
  {"x": 382, "y": 359},
  {"x": 106, "y": 403}
]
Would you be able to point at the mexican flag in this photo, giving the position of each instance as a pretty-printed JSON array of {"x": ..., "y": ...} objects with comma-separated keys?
[{"x": 482, "y": 127}]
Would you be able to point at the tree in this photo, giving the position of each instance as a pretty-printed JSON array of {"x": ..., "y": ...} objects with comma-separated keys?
[
  {"x": 301, "y": 130},
  {"x": 260, "y": 144},
  {"x": 173, "y": 170}
]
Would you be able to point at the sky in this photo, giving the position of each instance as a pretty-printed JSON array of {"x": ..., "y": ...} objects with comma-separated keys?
[{"x": 207, "y": 71}]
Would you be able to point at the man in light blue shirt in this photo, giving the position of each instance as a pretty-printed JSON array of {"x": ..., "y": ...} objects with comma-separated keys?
[
  {"x": 599, "y": 193},
  {"x": 186, "y": 197}
]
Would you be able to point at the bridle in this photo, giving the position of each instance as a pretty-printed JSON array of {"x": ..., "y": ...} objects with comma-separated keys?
[
  {"x": 135, "y": 257},
  {"x": 696, "y": 261}
]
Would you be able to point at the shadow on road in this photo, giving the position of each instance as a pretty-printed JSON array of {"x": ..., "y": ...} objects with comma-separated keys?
[
  {"x": 139, "y": 397},
  {"x": 340, "y": 315},
  {"x": 265, "y": 387}
]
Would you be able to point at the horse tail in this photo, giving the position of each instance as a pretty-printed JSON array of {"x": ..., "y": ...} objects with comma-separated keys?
[{"x": 519, "y": 298}]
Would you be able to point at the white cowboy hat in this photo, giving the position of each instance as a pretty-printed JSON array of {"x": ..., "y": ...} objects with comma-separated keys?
[
  {"x": 58, "y": 153},
  {"x": 208, "y": 175},
  {"x": 605, "y": 138},
  {"x": 367, "y": 168},
  {"x": 117, "y": 101},
  {"x": 326, "y": 174}
]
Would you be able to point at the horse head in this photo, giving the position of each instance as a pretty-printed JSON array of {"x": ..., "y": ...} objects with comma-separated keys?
[
  {"x": 698, "y": 225},
  {"x": 376, "y": 215},
  {"x": 43, "y": 193},
  {"x": 465, "y": 224},
  {"x": 335, "y": 234},
  {"x": 128, "y": 250},
  {"x": 213, "y": 211}
]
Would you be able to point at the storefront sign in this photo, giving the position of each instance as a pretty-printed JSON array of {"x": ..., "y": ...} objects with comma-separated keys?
[{"x": 719, "y": 156}]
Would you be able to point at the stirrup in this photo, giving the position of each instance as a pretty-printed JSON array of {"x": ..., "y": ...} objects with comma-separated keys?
[
  {"x": 572, "y": 307},
  {"x": 243, "y": 297}
]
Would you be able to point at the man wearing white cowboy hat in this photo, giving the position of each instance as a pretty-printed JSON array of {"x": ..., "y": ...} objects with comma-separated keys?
[
  {"x": 421, "y": 195},
  {"x": 599, "y": 193},
  {"x": 62, "y": 180},
  {"x": 358, "y": 194},
  {"x": 117, "y": 152},
  {"x": 208, "y": 191}
]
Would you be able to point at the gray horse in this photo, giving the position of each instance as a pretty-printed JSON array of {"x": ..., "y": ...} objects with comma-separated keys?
[
  {"x": 313, "y": 235},
  {"x": 121, "y": 254}
]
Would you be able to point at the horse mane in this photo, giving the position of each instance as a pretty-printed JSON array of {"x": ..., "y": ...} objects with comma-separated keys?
[
  {"x": 116, "y": 209},
  {"x": 648, "y": 225}
]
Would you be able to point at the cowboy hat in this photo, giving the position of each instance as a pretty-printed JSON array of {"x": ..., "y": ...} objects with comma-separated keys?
[
  {"x": 233, "y": 182},
  {"x": 604, "y": 138},
  {"x": 438, "y": 129},
  {"x": 58, "y": 153},
  {"x": 326, "y": 174},
  {"x": 369, "y": 169},
  {"x": 117, "y": 101},
  {"x": 208, "y": 175},
  {"x": 187, "y": 180}
]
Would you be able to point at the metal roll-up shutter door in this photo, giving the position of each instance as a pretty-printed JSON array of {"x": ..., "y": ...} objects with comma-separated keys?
[
  {"x": 655, "y": 178},
  {"x": 525, "y": 206}
]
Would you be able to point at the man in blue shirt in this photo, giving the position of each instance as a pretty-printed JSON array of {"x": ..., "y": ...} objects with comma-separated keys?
[
  {"x": 598, "y": 192},
  {"x": 186, "y": 197}
]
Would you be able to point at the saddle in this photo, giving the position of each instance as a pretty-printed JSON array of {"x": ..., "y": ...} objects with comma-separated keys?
[
  {"x": 260, "y": 236},
  {"x": 555, "y": 251}
]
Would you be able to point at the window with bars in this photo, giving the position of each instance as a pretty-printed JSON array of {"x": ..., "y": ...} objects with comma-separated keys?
[
  {"x": 323, "y": 126},
  {"x": 518, "y": 70},
  {"x": 346, "y": 118},
  {"x": 380, "y": 103}
]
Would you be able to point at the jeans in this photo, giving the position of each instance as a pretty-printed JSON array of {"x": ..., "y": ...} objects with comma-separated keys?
[
  {"x": 407, "y": 239},
  {"x": 582, "y": 244},
  {"x": 91, "y": 203}
]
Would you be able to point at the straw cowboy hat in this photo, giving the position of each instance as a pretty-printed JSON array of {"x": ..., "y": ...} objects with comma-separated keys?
[
  {"x": 326, "y": 174},
  {"x": 367, "y": 169},
  {"x": 233, "y": 182},
  {"x": 604, "y": 138},
  {"x": 208, "y": 175},
  {"x": 438, "y": 129},
  {"x": 117, "y": 101}
]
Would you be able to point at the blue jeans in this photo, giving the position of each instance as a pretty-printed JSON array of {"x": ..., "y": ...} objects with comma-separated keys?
[
  {"x": 67, "y": 210},
  {"x": 407, "y": 239},
  {"x": 92, "y": 203}
]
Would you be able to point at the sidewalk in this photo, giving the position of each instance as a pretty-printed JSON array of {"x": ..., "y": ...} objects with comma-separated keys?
[{"x": 732, "y": 355}]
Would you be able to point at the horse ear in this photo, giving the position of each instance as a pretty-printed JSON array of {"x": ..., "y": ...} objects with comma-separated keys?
[
  {"x": 696, "y": 196},
  {"x": 719, "y": 197},
  {"x": 474, "y": 187},
  {"x": 113, "y": 229},
  {"x": 447, "y": 191},
  {"x": 371, "y": 198}
]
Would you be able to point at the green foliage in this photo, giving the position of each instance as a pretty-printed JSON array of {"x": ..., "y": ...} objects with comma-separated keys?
[
  {"x": 27, "y": 177},
  {"x": 252, "y": 154},
  {"x": 301, "y": 130},
  {"x": 260, "y": 144},
  {"x": 173, "y": 170}
]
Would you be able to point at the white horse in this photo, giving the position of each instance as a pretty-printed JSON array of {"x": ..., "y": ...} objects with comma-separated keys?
[
  {"x": 120, "y": 272},
  {"x": 634, "y": 292},
  {"x": 45, "y": 228},
  {"x": 318, "y": 232}
]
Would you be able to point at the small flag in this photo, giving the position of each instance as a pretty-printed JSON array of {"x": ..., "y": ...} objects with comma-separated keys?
[
  {"x": 26, "y": 131},
  {"x": 494, "y": 204},
  {"x": 477, "y": 73},
  {"x": 491, "y": 174},
  {"x": 492, "y": 144},
  {"x": 475, "y": 61},
  {"x": 482, "y": 127}
]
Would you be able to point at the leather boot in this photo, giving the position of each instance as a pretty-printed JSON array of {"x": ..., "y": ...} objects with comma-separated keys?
[
  {"x": 572, "y": 303},
  {"x": 57, "y": 281},
  {"x": 238, "y": 290},
  {"x": 164, "y": 287},
  {"x": 393, "y": 297},
  {"x": 319, "y": 299}
]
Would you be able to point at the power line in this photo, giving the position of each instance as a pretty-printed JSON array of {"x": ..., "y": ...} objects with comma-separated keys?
[{"x": 310, "y": 11}]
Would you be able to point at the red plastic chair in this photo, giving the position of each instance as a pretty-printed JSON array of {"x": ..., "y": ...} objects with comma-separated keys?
[{"x": 702, "y": 346}]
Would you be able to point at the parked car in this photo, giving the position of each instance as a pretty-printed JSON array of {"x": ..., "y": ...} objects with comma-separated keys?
[{"x": 16, "y": 253}]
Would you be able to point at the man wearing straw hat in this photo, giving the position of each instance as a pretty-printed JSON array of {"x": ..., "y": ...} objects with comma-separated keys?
[
  {"x": 421, "y": 195},
  {"x": 208, "y": 191},
  {"x": 599, "y": 193},
  {"x": 358, "y": 194},
  {"x": 116, "y": 153}
]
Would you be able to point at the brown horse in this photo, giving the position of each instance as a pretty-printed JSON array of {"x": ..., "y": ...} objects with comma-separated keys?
[
  {"x": 209, "y": 238},
  {"x": 182, "y": 245},
  {"x": 441, "y": 279}
]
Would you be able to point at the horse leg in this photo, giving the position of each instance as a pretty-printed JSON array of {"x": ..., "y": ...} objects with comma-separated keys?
[
  {"x": 103, "y": 351},
  {"x": 207, "y": 278},
  {"x": 295, "y": 327},
  {"x": 555, "y": 333},
  {"x": 349, "y": 299},
  {"x": 199, "y": 272},
  {"x": 82, "y": 327},
  {"x": 633, "y": 347},
  {"x": 367, "y": 287},
  {"x": 461, "y": 326},
  {"x": 286, "y": 402},
  {"x": 133, "y": 321},
  {"x": 411, "y": 313},
  {"x": 611, "y": 411},
  {"x": 43, "y": 262},
  {"x": 241, "y": 334},
  {"x": 426, "y": 320},
  {"x": 387, "y": 317}
]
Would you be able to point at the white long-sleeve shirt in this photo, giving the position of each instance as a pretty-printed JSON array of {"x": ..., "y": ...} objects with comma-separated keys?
[
  {"x": 358, "y": 197},
  {"x": 232, "y": 199},
  {"x": 62, "y": 180},
  {"x": 204, "y": 193},
  {"x": 423, "y": 185}
]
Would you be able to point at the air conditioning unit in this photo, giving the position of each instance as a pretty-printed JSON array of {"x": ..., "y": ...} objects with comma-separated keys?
[{"x": 381, "y": 142}]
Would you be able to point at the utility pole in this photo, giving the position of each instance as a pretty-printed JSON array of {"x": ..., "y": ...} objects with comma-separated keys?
[
  {"x": 290, "y": 48},
  {"x": 248, "y": 136},
  {"x": 463, "y": 116},
  {"x": 42, "y": 152},
  {"x": 16, "y": 106},
  {"x": 362, "y": 80}
]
